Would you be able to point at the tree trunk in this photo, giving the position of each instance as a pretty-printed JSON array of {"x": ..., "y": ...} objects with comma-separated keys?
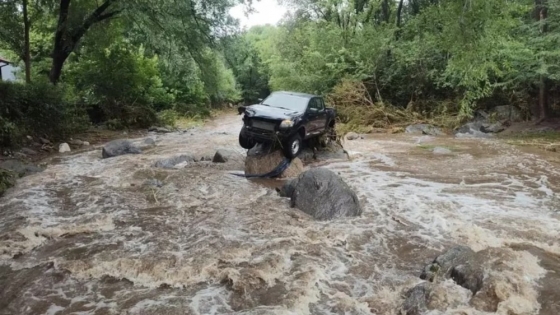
[
  {"x": 66, "y": 41},
  {"x": 541, "y": 15},
  {"x": 27, "y": 52}
]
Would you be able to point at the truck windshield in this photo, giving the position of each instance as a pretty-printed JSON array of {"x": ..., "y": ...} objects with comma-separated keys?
[{"x": 287, "y": 101}]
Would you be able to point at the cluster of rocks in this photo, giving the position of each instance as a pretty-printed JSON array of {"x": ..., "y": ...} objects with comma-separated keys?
[{"x": 461, "y": 274}]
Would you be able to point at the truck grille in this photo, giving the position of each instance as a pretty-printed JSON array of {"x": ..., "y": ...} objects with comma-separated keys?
[{"x": 264, "y": 125}]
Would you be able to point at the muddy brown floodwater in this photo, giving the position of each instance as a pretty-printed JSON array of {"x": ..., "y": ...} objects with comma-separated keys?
[{"x": 87, "y": 236}]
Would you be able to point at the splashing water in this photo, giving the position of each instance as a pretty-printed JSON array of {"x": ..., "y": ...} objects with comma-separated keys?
[{"x": 88, "y": 237}]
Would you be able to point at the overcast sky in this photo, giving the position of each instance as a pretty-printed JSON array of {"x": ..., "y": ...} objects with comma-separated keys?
[{"x": 266, "y": 12}]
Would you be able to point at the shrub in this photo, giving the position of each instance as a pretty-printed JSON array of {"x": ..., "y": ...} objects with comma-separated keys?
[{"x": 38, "y": 109}]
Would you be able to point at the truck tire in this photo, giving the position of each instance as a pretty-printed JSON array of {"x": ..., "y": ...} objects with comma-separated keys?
[
  {"x": 244, "y": 141},
  {"x": 293, "y": 146}
]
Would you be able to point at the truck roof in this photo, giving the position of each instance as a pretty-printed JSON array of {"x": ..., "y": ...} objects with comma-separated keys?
[{"x": 296, "y": 94}]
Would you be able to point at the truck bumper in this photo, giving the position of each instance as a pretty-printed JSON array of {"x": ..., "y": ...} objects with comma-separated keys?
[{"x": 265, "y": 135}]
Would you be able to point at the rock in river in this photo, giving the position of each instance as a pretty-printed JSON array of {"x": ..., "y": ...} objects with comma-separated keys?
[
  {"x": 173, "y": 161},
  {"x": 119, "y": 147},
  {"x": 64, "y": 148},
  {"x": 424, "y": 129},
  {"x": 262, "y": 160},
  {"x": 322, "y": 194},
  {"x": 460, "y": 264}
]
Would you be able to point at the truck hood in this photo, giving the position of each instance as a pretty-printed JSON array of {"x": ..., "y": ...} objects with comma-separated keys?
[{"x": 269, "y": 112}]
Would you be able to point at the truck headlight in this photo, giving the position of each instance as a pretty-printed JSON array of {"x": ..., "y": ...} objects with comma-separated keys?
[{"x": 286, "y": 124}]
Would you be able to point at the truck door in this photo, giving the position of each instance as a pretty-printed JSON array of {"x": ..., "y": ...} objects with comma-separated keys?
[
  {"x": 321, "y": 116},
  {"x": 312, "y": 117}
]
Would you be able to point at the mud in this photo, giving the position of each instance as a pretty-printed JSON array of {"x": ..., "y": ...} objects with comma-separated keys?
[{"x": 88, "y": 236}]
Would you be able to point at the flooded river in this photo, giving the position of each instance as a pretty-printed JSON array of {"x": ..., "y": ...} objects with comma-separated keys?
[{"x": 119, "y": 236}]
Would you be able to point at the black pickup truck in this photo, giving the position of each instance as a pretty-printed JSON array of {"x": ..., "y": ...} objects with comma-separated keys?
[{"x": 289, "y": 118}]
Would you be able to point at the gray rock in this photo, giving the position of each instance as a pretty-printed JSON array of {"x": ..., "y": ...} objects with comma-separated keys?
[
  {"x": 159, "y": 129},
  {"x": 173, "y": 161},
  {"x": 76, "y": 142},
  {"x": 424, "y": 129},
  {"x": 352, "y": 136},
  {"x": 44, "y": 141},
  {"x": 146, "y": 144},
  {"x": 19, "y": 167},
  {"x": 472, "y": 129},
  {"x": 333, "y": 151},
  {"x": 85, "y": 144},
  {"x": 444, "y": 263},
  {"x": 223, "y": 156},
  {"x": 506, "y": 112},
  {"x": 416, "y": 300},
  {"x": 492, "y": 128},
  {"x": 28, "y": 151},
  {"x": 468, "y": 275},
  {"x": 460, "y": 263},
  {"x": 288, "y": 188},
  {"x": 64, "y": 148},
  {"x": 441, "y": 150},
  {"x": 119, "y": 147},
  {"x": 323, "y": 194}
]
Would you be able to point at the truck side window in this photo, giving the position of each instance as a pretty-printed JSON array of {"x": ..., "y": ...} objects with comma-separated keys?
[
  {"x": 320, "y": 103},
  {"x": 313, "y": 104}
]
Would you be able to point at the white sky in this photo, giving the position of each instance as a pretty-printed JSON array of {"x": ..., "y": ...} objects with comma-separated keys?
[{"x": 266, "y": 12}]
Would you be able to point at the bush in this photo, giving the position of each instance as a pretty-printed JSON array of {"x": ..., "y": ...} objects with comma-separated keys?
[
  {"x": 39, "y": 109},
  {"x": 168, "y": 118}
]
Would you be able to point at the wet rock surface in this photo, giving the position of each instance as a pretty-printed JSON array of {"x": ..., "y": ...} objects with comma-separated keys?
[
  {"x": 19, "y": 167},
  {"x": 172, "y": 162},
  {"x": 119, "y": 147},
  {"x": 323, "y": 195},
  {"x": 425, "y": 129},
  {"x": 263, "y": 159}
]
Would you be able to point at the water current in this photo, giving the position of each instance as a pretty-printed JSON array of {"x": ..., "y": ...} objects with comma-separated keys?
[{"x": 88, "y": 236}]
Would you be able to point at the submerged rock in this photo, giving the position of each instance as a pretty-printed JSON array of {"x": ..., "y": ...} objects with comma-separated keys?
[
  {"x": 223, "y": 156},
  {"x": 441, "y": 150},
  {"x": 119, "y": 147},
  {"x": 458, "y": 263},
  {"x": 416, "y": 300},
  {"x": 424, "y": 129},
  {"x": 174, "y": 161},
  {"x": 322, "y": 194},
  {"x": 20, "y": 168}
]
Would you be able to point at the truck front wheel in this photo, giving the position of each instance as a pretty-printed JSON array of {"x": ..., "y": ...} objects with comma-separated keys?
[
  {"x": 293, "y": 146},
  {"x": 244, "y": 141}
]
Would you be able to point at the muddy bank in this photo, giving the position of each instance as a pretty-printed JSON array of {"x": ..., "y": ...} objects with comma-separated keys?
[{"x": 121, "y": 236}]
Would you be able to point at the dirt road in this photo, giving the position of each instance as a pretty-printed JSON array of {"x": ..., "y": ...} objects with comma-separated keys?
[{"x": 119, "y": 236}]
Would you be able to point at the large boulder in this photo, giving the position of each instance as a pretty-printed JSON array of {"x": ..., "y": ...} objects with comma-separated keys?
[
  {"x": 416, "y": 299},
  {"x": 119, "y": 147},
  {"x": 262, "y": 159},
  {"x": 322, "y": 194}
]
